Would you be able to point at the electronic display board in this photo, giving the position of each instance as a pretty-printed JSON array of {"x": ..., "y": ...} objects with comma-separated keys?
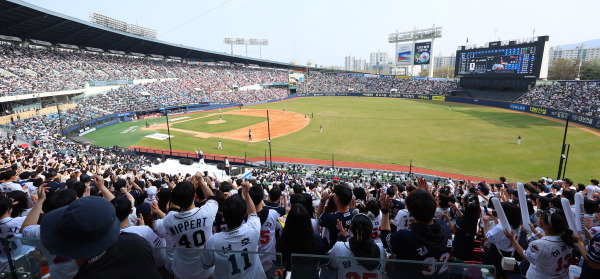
[{"x": 510, "y": 61}]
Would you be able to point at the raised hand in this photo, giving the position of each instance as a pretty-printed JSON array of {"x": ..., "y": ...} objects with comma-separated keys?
[
  {"x": 385, "y": 201},
  {"x": 422, "y": 183}
]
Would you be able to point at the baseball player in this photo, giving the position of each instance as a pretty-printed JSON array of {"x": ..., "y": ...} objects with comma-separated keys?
[
  {"x": 519, "y": 140},
  {"x": 200, "y": 156},
  {"x": 219, "y": 146},
  {"x": 249, "y": 135},
  {"x": 321, "y": 129}
]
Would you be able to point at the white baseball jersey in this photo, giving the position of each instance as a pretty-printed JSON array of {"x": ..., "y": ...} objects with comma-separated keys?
[
  {"x": 236, "y": 265},
  {"x": 348, "y": 268},
  {"x": 161, "y": 231},
  {"x": 496, "y": 236},
  {"x": 594, "y": 231},
  {"x": 154, "y": 241},
  {"x": 267, "y": 238},
  {"x": 591, "y": 190},
  {"x": 376, "y": 228},
  {"x": 8, "y": 228},
  {"x": 550, "y": 257},
  {"x": 60, "y": 268},
  {"x": 190, "y": 229},
  {"x": 403, "y": 219},
  {"x": 7, "y": 187}
]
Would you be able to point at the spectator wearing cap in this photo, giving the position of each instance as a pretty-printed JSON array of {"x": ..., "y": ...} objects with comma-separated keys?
[{"x": 88, "y": 231}]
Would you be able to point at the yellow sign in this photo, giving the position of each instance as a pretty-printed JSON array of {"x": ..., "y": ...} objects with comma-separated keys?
[{"x": 438, "y": 98}]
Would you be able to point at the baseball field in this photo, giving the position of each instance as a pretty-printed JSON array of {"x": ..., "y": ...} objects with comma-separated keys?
[{"x": 471, "y": 140}]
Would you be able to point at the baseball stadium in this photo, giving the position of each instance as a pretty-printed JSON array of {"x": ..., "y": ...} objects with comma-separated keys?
[{"x": 129, "y": 156}]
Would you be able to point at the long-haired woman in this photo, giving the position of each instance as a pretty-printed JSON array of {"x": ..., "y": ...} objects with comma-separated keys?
[
  {"x": 466, "y": 228},
  {"x": 551, "y": 255},
  {"x": 297, "y": 237}
]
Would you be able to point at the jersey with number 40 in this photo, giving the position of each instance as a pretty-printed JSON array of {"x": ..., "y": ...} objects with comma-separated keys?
[
  {"x": 190, "y": 229},
  {"x": 234, "y": 264}
]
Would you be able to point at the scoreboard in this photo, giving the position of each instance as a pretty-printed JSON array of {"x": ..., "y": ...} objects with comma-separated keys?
[{"x": 496, "y": 60}]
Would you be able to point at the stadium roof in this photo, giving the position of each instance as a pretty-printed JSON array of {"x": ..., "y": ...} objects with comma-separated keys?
[{"x": 26, "y": 21}]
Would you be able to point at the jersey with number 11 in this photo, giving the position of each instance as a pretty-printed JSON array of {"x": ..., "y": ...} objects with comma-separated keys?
[{"x": 236, "y": 264}]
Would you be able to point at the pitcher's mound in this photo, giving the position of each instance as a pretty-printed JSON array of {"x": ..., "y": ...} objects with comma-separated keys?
[{"x": 216, "y": 122}]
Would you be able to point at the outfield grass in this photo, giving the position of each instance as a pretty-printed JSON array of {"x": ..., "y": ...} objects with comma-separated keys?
[
  {"x": 232, "y": 122},
  {"x": 472, "y": 140}
]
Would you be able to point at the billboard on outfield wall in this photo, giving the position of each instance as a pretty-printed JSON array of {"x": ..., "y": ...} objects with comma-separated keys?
[
  {"x": 404, "y": 54},
  {"x": 422, "y": 53}
]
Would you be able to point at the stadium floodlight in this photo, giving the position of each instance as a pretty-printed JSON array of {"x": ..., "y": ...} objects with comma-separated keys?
[
  {"x": 229, "y": 41},
  {"x": 246, "y": 42},
  {"x": 261, "y": 43},
  {"x": 122, "y": 26},
  {"x": 242, "y": 41}
]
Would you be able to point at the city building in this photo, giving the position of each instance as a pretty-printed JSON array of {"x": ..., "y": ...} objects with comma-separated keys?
[
  {"x": 379, "y": 60},
  {"x": 580, "y": 52},
  {"x": 440, "y": 61},
  {"x": 360, "y": 64},
  {"x": 349, "y": 63}
]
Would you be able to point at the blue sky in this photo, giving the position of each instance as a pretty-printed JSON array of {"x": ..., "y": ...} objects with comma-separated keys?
[{"x": 325, "y": 31}]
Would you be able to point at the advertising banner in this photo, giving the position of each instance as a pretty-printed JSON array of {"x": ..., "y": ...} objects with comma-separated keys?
[
  {"x": 110, "y": 82},
  {"x": 404, "y": 54},
  {"x": 422, "y": 53}
]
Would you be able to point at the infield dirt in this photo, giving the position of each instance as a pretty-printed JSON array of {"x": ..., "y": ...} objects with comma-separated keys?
[{"x": 281, "y": 123}]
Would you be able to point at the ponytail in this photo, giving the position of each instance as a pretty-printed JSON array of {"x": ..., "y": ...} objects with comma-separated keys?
[
  {"x": 361, "y": 227},
  {"x": 555, "y": 217},
  {"x": 567, "y": 237}
]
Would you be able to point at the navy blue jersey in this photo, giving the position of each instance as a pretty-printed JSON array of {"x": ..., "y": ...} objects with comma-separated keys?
[
  {"x": 594, "y": 255},
  {"x": 329, "y": 221},
  {"x": 396, "y": 206},
  {"x": 275, "y": 206},
  {"x": 406, "y": 246}
]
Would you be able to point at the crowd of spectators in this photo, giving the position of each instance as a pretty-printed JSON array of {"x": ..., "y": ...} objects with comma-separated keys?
[
  {"x": 131, "y": 218},
  {"x": 248, "y": 96},
  {"x": 580, "y": 98},
  {"x": 28, "y": 69},
  {"x": 330, "y": 83}
]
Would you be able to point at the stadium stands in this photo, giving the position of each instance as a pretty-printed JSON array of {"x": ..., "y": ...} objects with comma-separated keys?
[
  {"x": 328, "y": 83},
  {"x": 290, "y": 210},
  {"x": 39, "y": 69},
  {"x": 583, "y": 98},
  {"x": 289, "y": 198}
]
